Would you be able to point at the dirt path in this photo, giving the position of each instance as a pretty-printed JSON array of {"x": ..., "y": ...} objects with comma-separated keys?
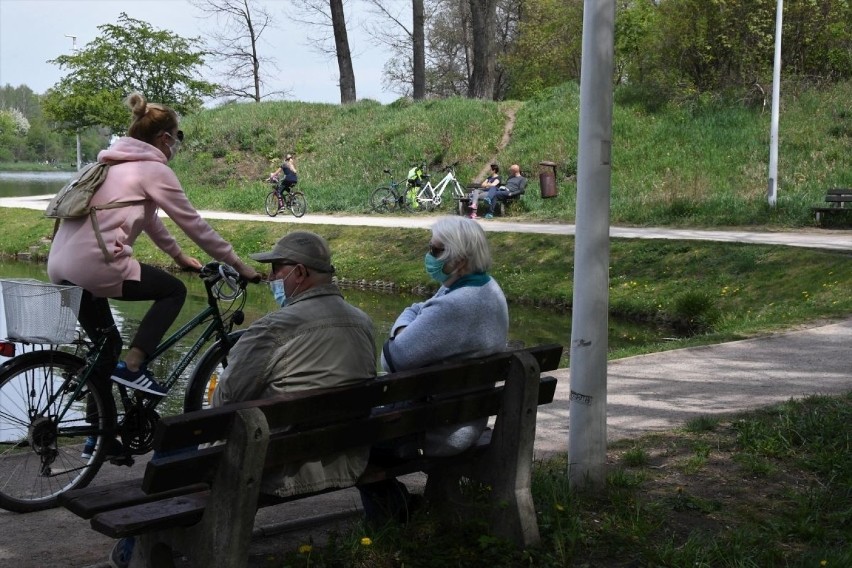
[{"x": 510, "y": 109}]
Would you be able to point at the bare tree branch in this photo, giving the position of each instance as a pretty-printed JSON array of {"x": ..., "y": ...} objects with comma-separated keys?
[{"x": 236, "y": 46}]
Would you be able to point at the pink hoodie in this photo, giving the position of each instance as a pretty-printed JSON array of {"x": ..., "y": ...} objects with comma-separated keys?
[{"x": 139, "y": 172}]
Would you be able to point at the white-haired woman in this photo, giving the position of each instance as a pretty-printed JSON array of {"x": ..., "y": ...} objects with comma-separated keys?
[{"x": 466, "y": 318}]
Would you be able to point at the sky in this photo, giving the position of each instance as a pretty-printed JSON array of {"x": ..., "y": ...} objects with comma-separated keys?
[{"x": 34, "y": 31}]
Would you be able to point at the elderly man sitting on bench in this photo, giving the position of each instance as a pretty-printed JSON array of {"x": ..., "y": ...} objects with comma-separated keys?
[{"x": 515, "y": 185}]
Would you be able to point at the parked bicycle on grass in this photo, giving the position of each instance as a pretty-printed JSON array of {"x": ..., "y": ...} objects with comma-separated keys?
[
  {"x": 429, "y": 197},
  {"x": 51, "y": 403},
  {"x": 390, "y": 198}
]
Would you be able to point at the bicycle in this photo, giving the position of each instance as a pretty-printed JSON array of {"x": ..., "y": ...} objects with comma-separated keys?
[
  {"x": 51, "y": 401},
  {"x": 389, "y": 198},
  {"x": 429, "y": 197},
  {"x": 282, "y": 198}
]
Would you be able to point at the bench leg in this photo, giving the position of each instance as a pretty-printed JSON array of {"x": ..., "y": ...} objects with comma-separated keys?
[
  {"x": 508, "y": 460},
  {"x": 506, "y": 466},
  {"x": 223, "y": 536}
]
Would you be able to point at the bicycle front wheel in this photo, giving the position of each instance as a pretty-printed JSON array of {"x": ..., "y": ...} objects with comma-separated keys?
[
  {"x": 426, "y": 199},
  {"x": 383, "y": 200},
  {"x": 205, "y": 377},
  {"x": 273, "y": 203},
  {"x": 298, "y": 204},
  {"x": 46, "y": 415}
]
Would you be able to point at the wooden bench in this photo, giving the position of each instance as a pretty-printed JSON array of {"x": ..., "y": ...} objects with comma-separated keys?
[
  {"x": 502, "y": 201},
  {"x": 203, "y": 502},
  {"x": 839, "y": 200}
]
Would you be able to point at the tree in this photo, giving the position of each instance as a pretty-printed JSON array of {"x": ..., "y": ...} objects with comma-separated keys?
[
  {"x": 328, "y": 17},
  {"x": 419, "y": 50},
  {"x": 405, "y": 72},
  {"x": 344, "y": 56},
  {"x": 128, "y": 56},
  {"x": 483, "y": 27},
  {"x": 237, "y": 46},
  {"x": 451, "y": 49}
]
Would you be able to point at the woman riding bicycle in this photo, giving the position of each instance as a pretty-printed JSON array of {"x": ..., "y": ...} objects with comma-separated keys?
[
  {"x": 139, "y": 176},
  {"x": 288, "y": 168}
]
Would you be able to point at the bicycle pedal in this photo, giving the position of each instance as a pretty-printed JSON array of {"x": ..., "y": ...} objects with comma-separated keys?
[{"x": 122, "y": 460}]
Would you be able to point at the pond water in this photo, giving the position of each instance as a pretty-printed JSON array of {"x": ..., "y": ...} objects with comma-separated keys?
[
  {"x": 20, "y": 184},
  {"x": 528, "y": 324}
]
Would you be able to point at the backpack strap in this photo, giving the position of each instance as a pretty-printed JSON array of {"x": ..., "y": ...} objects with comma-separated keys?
[{"x": 96, "y": 226}]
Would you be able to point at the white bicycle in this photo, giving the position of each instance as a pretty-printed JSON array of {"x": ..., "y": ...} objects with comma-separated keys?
[{"x": 429, "y": 197}]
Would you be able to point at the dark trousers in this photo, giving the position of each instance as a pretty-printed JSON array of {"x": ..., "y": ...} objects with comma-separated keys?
[{"x": 168, "y": 294}]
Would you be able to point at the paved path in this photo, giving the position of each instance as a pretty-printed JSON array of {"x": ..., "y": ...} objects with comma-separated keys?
[
  {"x": 812, "y": 238},
  {"x": 645, "y": 393}
]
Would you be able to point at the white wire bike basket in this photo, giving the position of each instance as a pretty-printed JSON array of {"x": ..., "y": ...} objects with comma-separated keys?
[{"x": 40, "y": 312}]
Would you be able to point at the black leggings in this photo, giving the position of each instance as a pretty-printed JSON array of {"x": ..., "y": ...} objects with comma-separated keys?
[{"x": 168, "y": 293}]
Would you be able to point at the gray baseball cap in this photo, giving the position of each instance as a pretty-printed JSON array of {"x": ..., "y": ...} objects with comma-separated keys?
[{"x": 301, "y": 247}]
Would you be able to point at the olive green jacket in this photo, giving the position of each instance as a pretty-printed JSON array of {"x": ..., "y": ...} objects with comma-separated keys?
[{"x": 316, "y": 341}]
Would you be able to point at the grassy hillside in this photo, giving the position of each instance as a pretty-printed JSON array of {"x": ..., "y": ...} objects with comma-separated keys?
[{"x": 705, "y": 165}]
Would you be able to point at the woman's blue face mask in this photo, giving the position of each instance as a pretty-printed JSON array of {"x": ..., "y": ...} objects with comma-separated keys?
[{"x": 435, "y": 268}]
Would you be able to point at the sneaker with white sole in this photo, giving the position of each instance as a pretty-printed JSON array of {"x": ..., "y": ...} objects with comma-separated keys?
[
  {"x": 89, "y": 447},
  {"x": 114, "y": 448},
  {"x": 139, "y": 380}
]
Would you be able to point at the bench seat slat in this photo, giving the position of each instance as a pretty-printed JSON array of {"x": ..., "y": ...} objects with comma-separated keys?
[
  {"x": 182, "y": 511},
  {"x": 89, "y": 501}
]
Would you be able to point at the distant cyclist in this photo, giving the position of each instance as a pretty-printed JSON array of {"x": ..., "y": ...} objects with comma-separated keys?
[{"x": 288, "y": 170}]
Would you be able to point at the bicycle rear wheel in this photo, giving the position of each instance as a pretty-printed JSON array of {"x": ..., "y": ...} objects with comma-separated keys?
[
  {"x": 273, "y": 203},
  {"x": 205, "y": 376},
  {"x": 298, "y": 204},
  {"x": 44, "y": 422},
  {"x": 383, "y": 200}
]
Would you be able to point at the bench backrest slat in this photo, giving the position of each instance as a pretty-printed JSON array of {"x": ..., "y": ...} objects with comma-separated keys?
[
  {"x": 303, "y": 409},
  {"x": 838, "y": 198},
  {"x": 289, "y": 446},
  {"x": 839, "y": 191}
]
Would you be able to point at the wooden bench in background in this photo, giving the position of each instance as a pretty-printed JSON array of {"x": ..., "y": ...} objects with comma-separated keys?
[
  {"x": 503, "y": 201},
  {"x": 839, "y": 200},
  {"x": 203, "y": 502}
]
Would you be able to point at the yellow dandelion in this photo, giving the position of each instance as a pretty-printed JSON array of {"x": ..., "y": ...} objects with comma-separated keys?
[
  {"x": 366, "y": 541},
  {"x": 305, "y": 549},
  {"x": 823, "y": 562}
]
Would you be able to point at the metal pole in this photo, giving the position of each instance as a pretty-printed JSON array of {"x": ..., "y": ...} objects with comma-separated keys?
[
  {"x": 587, "y": 407},
  {"x": 772, "y": 192},
  {"x": 79, "y": 154}
]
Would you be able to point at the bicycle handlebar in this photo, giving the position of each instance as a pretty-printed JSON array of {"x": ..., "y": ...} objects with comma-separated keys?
[{"x": 224, "y": 280}]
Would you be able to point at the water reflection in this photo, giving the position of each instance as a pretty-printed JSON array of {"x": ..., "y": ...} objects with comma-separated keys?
[
  {"x": 20, "y": 184},
  {"x": 528, "y": 324}
]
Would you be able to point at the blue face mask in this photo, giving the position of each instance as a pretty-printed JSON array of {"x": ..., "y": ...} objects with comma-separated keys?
[
  {"x": 278, "y": 291},
  {"x": 435, "y": 268}
]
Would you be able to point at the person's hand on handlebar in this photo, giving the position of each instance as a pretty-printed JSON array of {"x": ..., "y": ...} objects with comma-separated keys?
[
  {"x": 187, "y": 262},
  {"x": 248, "y": 272}
]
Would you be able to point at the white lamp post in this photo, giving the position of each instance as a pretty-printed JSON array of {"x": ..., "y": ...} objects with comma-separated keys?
[{"x": 772, "y": 192}]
